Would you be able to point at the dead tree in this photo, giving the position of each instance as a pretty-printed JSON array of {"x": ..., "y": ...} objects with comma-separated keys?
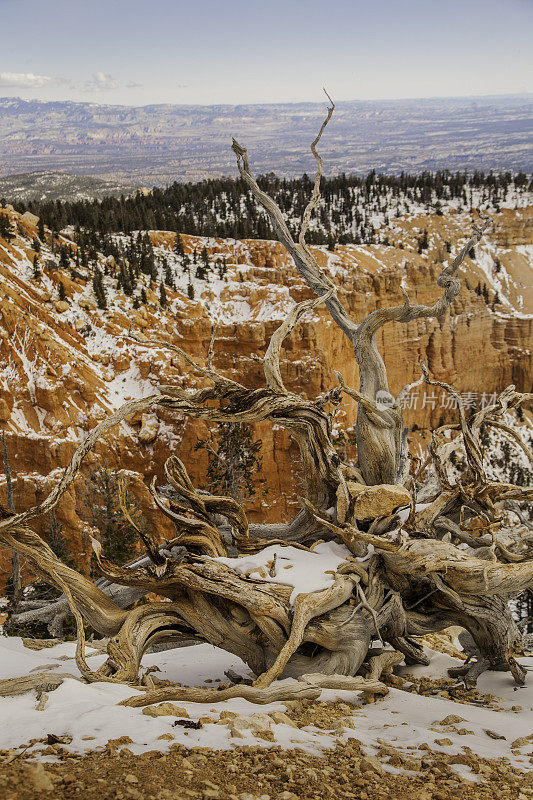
[{"x": 406, "y": 576}]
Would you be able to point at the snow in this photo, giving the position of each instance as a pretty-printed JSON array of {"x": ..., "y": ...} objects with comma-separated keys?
[
  {"x": 304, "y": 571},
  {"x": 90, "y": 714}
]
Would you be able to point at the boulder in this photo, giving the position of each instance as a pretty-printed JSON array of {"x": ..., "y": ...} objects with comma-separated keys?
[
  {"x": 380, "y": 501},
  {"x": 149, "y": 428}
]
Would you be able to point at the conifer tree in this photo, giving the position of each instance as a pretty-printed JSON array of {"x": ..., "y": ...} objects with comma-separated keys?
[
  {"x": 36, "y": 269},
  {"x": 162, "y": 295},
  {"x": 178, "y": 246},
  {"x": 98, "y": 288},
  {"x": 6, "y": 229},
  {"x": 64, "y": 260},
  {"x": 102, "y": 505},
  {"x": 62, "y": 292},
  {"x": 234, "y": 459}
]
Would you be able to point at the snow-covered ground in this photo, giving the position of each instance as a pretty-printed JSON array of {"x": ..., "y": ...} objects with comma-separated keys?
[{"x": 90, "y": 714}]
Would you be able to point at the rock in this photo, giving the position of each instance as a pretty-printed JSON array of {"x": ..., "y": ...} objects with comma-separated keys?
[
  {"x": 280, "y": 718},
  {"x": 165, "y": 710},
  {"x": 444, "y": 742},
  {"x": 61, "y": 305},
  {"x": 523, "y": 741},
  {"x": 149, "y": 428},
  {"x": 255, "y": 724},
  {"x": 30, "y": 218},
  {"x": 379, "y": 501},
  {"x": 371, "y": 764},
  {"x": 89, "y": 305},
  {"x": 39, "y": 778},
  {"x": 5, "y": 411},
  {"x": 494, "y": 734},
  {"x": 121, "y": 362},
  {"x": 451, "y": 719}
]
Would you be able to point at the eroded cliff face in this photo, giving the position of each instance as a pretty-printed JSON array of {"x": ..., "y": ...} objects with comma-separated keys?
[{"x": 65, "y": 364}]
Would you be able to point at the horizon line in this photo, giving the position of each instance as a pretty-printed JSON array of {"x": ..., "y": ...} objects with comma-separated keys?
[{"x": 525, "y": 95}]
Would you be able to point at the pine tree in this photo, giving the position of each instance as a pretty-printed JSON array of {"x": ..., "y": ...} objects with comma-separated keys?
[
  {"x": 144, "y": 299},
  {"x": 190, "y": 291},
  {"x": 64, "y": 260},
  {"x": 102, "y": 505},
  {"x": 162, "y": 295},
  {"x": 36, "y": 245},
  {"x": 6, "y": 229},
  {"x": 234, "y": 459},
  {"x": 423, "y": 241},
  {"x": 62, "y": 292},
  {"x": 40, "y": 229},
  {"x": 169, "y": 278},
  {"x": 98, "y": 288},
  {"x": 178, "y": 246},
  {"x": 36, "y": 270}
]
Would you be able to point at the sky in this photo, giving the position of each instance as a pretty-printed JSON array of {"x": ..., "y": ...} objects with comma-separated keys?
[{"x": 139, "y": 52}]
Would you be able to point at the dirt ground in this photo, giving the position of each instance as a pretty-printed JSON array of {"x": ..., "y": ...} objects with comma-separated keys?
[{"x": 254, "y": 773}]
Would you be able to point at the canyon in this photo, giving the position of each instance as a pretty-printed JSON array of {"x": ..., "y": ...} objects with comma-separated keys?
[{"x": 66, "y": 364}]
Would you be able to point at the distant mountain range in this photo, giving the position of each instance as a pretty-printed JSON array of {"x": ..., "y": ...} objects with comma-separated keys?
[{"x": 155, "y": 145}]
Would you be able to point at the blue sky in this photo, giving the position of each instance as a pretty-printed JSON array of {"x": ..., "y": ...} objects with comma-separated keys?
[{"x": 137, "y": 52}]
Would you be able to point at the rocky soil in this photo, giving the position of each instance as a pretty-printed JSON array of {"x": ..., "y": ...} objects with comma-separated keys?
[{"x": 252, "y": 773}]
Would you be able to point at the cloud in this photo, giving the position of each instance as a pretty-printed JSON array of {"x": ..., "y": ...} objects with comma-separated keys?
[
  {"x": 101, "y": 81},
  {"x": 133, "y": 85},
  {"x": 28, "y": 80}
]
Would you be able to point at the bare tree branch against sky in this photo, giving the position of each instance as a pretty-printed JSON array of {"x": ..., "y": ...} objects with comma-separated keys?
[{"x": 172, "y": 51}]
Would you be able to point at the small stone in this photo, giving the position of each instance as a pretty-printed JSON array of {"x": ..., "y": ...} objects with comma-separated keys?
[
  {"x": 451, "y": 719},
  {"x": 521, "y": 742},
  {"x": 165, "y": 710},
  {"x": 280, "y": 718},
  {"x": 371, "y": 764},
  {"x": 443, "y": 742},
  {"x": 494, "y": 734},
  {"x": 130, "y": 778},
  {"x": 39, "y": 778}
]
